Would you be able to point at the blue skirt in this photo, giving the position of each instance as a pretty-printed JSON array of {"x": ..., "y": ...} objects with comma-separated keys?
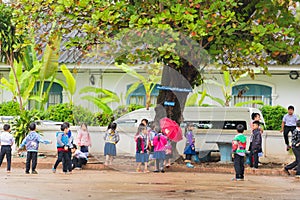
[
  {"x": 160, "y": 155},
  {"x": 110, "y": 149},
  {"x": 142, "y": 157}
]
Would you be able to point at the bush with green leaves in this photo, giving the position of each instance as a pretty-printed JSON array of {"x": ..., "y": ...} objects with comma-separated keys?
[
  {"x": 122, "y": 110},
  {"x": 21, "y": 123},
  {"x": 10, "y": 108},
  {"x": 61, "y": 113},
  {"x": 273, "y": 116},
  {"x": 83, "y": 115}
]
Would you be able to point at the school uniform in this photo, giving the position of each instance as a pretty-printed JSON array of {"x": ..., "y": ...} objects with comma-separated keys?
[
  {"x": 296, "y": 151},
  {"x": 6, "y": 140}
]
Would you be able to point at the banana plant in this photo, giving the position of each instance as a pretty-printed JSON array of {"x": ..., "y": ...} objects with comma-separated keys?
[
  {"x": 102, "y": 99},
  {"x": 149, "y": 82},
  {"x": 48, "y": 67},
  {"x": 25, "y": 80},
  {"x": 69, "y": 84}
]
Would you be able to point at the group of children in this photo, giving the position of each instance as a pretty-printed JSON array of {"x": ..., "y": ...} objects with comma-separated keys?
[{"x": 67, "y": 152}]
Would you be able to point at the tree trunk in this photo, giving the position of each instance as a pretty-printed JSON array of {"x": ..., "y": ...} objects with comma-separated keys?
[{"x": 175, "y": 79}]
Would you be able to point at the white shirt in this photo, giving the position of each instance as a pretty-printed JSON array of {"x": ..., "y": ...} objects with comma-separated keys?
[{"x": 6, "y": 138}]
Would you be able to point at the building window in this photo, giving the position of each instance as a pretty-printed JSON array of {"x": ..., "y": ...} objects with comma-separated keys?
[
  {"x": 250, "y": 92},
  {"x": 55, "y": 94},
  {"x": 139, "y": 96}
]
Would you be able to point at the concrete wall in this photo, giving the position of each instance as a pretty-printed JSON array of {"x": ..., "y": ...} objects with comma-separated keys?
[{"x": 273, "y": 143}]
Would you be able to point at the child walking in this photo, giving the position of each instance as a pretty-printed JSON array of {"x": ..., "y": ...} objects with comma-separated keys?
[
  {"x": 63, "y": 145},
  {"x": 296, "y": 151},
  {"x": 79, "y": 158},
  {"x": 159, "y": 143},
  {"x": 238, "y": 152},
  {"x": 189, "y": 150},
  {"x": 142, "y": 145},
  {"x": 31, "y": 141},
  {"x": 111, "y": 138},
  {"x": 6, "y": 141},
  {"x": 84, "y": 139},
  {"x": 256, "y": 145}
]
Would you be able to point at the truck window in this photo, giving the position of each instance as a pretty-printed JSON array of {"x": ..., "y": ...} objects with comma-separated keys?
[{"x": 227, "y": 124}]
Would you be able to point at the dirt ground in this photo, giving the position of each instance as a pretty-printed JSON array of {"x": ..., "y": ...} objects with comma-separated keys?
[{"x": 105, "y": 184}]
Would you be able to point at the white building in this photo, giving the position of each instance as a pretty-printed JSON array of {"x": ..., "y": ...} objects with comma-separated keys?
[{"x": 277, "y": 89}]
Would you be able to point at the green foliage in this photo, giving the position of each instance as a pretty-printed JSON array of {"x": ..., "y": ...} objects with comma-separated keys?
[
  {"x": 21, "y": 123},
  {"x": 69, "y": 84},
  {"x": 104, "y": 118},
  {"x": 102, "y": 99},
  {"x": 273, "y": 116},
  {"x": 10, "y": 108},
  {"x": 61, "y": 113},
  {"x": 83, "y": 115},
  {"x": 122, "y": 110}
]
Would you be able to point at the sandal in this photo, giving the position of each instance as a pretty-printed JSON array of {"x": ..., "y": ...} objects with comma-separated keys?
[{"x": 138, "y": 170}]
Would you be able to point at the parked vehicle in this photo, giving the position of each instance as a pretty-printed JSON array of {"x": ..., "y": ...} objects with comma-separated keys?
[{"x": 202, "y": 117}]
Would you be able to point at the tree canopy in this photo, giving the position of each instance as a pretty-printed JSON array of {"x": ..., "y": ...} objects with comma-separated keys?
[{"x": 237, "y": 34}]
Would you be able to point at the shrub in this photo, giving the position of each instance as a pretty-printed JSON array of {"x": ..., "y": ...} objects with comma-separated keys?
[
  {"x": 273, "y": 116},
  {"x": 104, "y": 118},
  {"x": 83, "y": 115},
  {"x": 61, "y": 113},
  {"x": 122, "y": 110},
  {"x": 10, "y": 108}
]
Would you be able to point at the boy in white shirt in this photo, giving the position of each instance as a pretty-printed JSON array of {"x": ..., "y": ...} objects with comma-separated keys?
[
  {"x": 79, "y": 158},
  {"x": 6, "y": 141}
]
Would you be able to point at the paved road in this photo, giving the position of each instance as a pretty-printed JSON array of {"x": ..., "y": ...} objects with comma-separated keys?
[{"x": 93, "y": 184}]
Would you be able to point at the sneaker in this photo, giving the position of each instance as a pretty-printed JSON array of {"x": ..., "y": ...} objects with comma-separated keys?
[
  {"x": 78, "y": 168},
  {"x": 189, "y": 165},
  {"x": 34, "y": 172},
  {"x": 239, "y": 179},
  {"x": 286, "y": 171},
  {"x": 156, "y": 171},
  {"x": 162, "y": 171},
  {"x": 27, "y": 173},
  {"x": 297, "y": 176},
  {"x": 53, "y": 170},
  {"x": 288, "y": 148},
  {"x": 8, "y": 171}
]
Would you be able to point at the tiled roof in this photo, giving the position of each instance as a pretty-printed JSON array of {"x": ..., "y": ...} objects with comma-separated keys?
[{"x": 74, "y": 55}]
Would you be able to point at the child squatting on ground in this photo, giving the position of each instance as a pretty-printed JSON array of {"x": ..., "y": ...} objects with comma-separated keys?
[
  {"x": 238, "y": 153},
  {"x": 79, "y": 158},
  {"x": 31, "y": 141},
  {"x": 6, "y": 141},
  {"x": 111, "y": 138},
  {"x": 142, "y": 156},
  {"x": 296, "y": 151}
]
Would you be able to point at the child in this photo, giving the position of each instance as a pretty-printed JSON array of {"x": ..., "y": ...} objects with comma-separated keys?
[
  {"x": 111, "y": 138},
  {"x": 255, "y": 147},
  {"x": 31, "y": 141},
  {"x": 288, "y": 125},
  {"x": 159, "y": 143},
  {"x": 169, "y": 154},
  {"x": 63, "y": 145},
  {"x": 6, "y": 141},
  {"x": 239, "y": 150},
  {"x": 296, "y": 151},
  {"x": 79, "y": 158},
  {"x": 70, "y": 142},
  {"x": 189, "y": 150},
  {"x": 152, "y": 133},
  {"x": 141, "y": 139},
  {"x": 84, "y": 139}
]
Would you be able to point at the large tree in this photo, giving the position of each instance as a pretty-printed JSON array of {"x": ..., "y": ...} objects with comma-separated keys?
[{"x": 237, "y": 34}]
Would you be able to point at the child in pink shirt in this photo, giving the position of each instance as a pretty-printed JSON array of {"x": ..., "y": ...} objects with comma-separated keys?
[
  {"x": 159, "y": 143},
  {"x": 84, "y": 139}
]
